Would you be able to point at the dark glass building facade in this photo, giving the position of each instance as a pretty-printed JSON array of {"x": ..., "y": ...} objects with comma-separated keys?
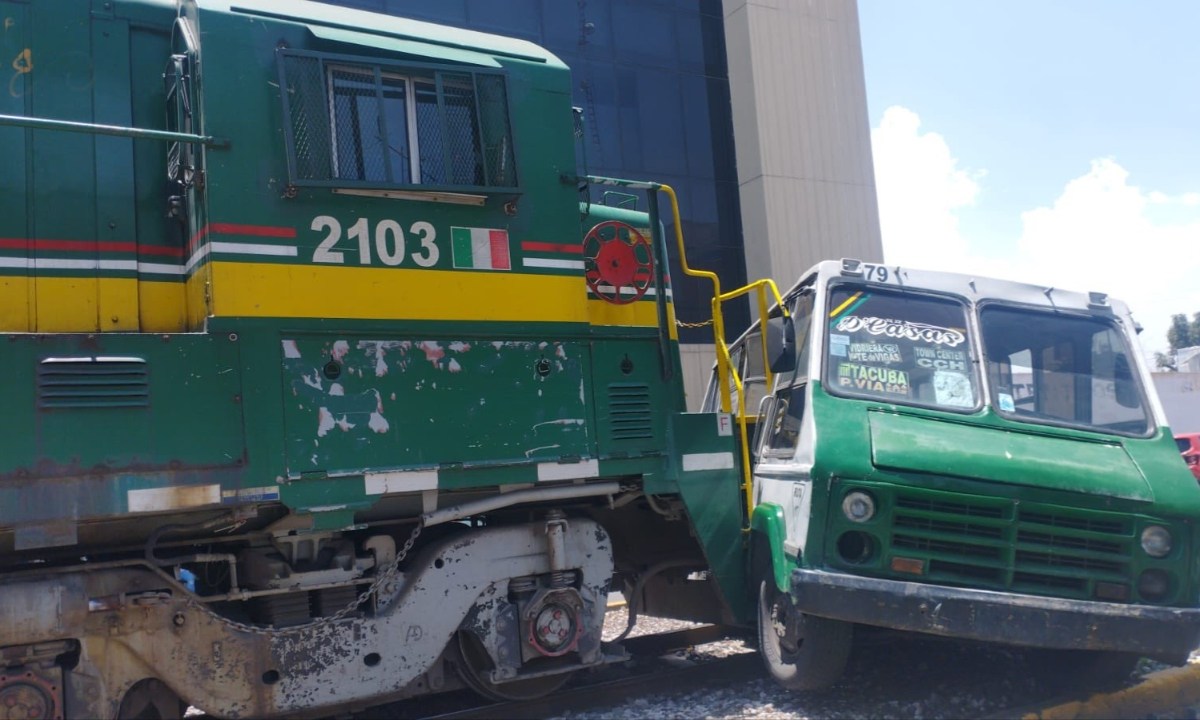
[{"x": 652, "y": 80}]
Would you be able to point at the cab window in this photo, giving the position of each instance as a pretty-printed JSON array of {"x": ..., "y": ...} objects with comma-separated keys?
[
  {"x": 782, "y": 434},
  {"x": 1063, "y": 369},
  {"x": 350, "y": 122},
  {"x": 899, "y": 347}
]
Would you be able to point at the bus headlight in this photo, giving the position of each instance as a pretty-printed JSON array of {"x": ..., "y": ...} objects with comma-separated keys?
[
  {"x": 858, "y": 507},
  {"x": 1156, "y": 541}
]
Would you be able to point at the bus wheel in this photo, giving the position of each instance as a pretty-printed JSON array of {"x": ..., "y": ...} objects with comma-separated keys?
[
  {"x": 473, "y": 665},
  {"x": 801, "y": 652},
  {"x": 150, "y": 700}
]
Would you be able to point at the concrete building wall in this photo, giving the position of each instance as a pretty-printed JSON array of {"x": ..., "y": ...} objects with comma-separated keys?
[
  {"x": 802, "y": 134},
  {"x": 1180, "y": 396},
  {"x": 803, "y": 142}
]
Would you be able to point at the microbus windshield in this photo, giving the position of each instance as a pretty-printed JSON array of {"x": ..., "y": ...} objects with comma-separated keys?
[
  {"x": 900, "y": 347},
  {"x": 1042, "y": 366},
  {"x": 1062, "y": 369}
]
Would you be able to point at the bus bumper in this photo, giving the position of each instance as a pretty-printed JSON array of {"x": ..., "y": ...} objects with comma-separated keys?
[{"x": 1164, "y": 633}]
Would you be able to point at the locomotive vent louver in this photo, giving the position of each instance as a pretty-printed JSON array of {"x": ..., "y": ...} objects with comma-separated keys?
[
  {"x": 93, "y": 382},
  {"x": 629, "y": 411}
]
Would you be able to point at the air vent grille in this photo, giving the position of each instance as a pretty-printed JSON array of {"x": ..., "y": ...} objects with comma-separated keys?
[
  {"x": 93, "y": 382},
  {"x": 629, "y": 411}
]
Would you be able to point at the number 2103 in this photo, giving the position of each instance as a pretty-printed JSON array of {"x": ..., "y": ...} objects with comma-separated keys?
[{"x": 389, "y": 242}]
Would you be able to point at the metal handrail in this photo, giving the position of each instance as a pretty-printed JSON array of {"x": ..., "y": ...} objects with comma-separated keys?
[
  {"x": 99, "y": 129},
  {"x": 726, "y": 374}
]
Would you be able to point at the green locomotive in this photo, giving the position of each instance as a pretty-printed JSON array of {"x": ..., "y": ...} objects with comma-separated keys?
[{"x": 329, "y": 390}]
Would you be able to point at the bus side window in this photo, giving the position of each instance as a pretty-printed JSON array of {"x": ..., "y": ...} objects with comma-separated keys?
[
  {"x": 787, "y": 412},
  {"x": 712, "y": 395},
  {"x": 754, "y": 381}
]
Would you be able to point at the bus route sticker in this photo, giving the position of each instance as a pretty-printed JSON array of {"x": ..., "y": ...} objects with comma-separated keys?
[
  {"x": 838, "y": 344},
  {"x": 890, "y": 381}
]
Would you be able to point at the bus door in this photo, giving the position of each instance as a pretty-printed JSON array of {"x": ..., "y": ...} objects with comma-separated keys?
[{"x": 783, "y": 443}]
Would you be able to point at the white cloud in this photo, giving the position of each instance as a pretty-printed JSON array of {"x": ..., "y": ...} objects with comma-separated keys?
[
  {"x": 1099, "y": 235},
  {"x": 920, "y": 189},
  {"x": 1101, "y": 232}
]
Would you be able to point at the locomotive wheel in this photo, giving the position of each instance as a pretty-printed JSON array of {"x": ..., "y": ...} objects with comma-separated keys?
[
  {"x": 151, "y": 700},
  {"x": 473, "y": 665},
  {"x": 801, "y": 652}
]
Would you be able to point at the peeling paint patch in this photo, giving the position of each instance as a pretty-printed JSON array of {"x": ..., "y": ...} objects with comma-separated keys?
[
  {"x": 398, "y": 482},
  {"x": 340, "y": 348},
  {"x": 175, "y": 496},
  {"x": 378, "y": 423},
  {"x": 337, "y": 390},
  {"x": 564, "y": 421},
  {"x": 531, "y": 451},
  {"x": 589, "y": 468},
  {"x": 290, "y": 350},
  {"x": 433, "y": 352},
  {"x": 325, "y": 422}
]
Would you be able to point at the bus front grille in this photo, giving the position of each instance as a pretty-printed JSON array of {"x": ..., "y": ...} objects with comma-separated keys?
[{"x": 1003, "y": 544}]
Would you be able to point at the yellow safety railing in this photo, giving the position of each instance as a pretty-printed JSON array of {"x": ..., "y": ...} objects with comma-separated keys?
[{"x": 726, "y": 374}]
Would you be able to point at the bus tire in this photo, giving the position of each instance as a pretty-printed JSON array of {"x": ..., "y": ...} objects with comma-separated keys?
[{"x": 801, "y": 652}]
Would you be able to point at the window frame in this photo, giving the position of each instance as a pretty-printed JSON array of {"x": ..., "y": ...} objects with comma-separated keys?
[{"x": 411, "y": 73}]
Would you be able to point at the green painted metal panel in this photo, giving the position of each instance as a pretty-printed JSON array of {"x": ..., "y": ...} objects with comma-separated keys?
[
  {"x": 400, "y": 46},
  {"x": 174, "y": 403},
  {"x": 60, "y": 88},
  {"x": 769, "y": 519},
  {"x": 148, "y": 50},
  {"x": 708, "y": 484},
  {"x": 241, "y": 80},
  {"x": 328, "y": 18},
  {"x": 916, "y": 444},
  {"x": 115, "y": 212},
  {"x": 629, "y": 396},
  {"x": 64, "y": 166},
  {"x": 353, "y": 403},
  {"x": 15, "y": 40}
]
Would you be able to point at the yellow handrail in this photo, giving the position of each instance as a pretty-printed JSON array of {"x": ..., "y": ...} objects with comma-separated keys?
[{"x": 725, "y": 371}]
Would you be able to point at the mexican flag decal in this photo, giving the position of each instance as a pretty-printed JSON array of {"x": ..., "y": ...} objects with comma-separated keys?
[{"x": 480, "y": 248}]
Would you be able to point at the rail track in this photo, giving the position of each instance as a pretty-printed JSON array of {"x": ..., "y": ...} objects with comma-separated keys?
[{"x": 892, "y": 676}]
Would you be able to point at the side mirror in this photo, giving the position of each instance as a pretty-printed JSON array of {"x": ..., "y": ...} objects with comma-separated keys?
[{"x": 781, "y": 344}]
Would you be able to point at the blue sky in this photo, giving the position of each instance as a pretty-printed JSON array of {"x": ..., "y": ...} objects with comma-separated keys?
[{"x": 1054, "y": 141}]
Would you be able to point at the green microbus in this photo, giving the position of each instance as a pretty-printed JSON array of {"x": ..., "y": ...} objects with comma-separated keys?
[{"x": 959, "y": 456}]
